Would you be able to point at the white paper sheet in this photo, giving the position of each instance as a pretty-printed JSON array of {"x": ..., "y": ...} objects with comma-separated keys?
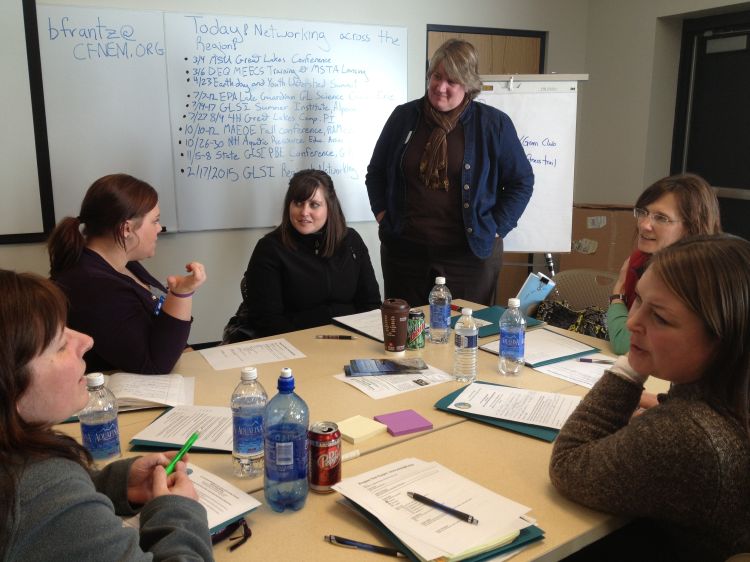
[
  {"x": 573, "y": 370},
  {"x": 178, "y": 424},
  {"x": 369, "y": 323},
  {"x": 546, "y": 409},
  {"x": 223, "y": 501},
  {"x": 250, "y": 353},
  {"x": 546, "y": 346},
  {"x": 383, "y": 386}
]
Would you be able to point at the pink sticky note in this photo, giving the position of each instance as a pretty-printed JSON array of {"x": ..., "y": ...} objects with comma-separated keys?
[{"x": 403, "y": 422}]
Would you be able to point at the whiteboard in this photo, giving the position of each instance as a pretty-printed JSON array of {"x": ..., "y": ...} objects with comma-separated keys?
[
  {"x": 543, "y": 110},
  {"x": 216, "y": 112},
  {"x": 105, "y": 96},
  {"x": 20, "y": 213}
]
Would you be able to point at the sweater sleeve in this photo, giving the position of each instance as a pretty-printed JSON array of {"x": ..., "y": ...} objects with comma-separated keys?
[
  {"x": 619, "y": 335},
  {"x": 63, "y": 517},
  {"x": 610, "y": 462},
  {"x": 516, "y": 180}
]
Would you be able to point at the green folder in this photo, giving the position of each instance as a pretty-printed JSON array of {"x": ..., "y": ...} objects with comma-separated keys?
[
  {"x": 526, "y": 535},
  {"x": 492, "y": 315},
  {"x": 544, "y": 433}
]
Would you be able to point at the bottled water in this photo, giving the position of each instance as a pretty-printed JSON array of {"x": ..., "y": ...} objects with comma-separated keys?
[
  {"x": 248, "y": 403},
  {"x": 285, "y": 424},
  {"x": 512, "y": 339},
  {"x": 100, "y": 432},
  {"x": 440, "y": 311},
  {"x": 465, "y": 351}
]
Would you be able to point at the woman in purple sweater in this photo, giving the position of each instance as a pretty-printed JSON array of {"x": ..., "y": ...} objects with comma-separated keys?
[{"x": 138, "y": 324}]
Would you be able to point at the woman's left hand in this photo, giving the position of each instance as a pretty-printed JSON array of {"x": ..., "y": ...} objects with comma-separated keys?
[
  {"x": 140, "y": 479},
  {"x": 620, "y": 283},
  {"x": 185, "y": 284}
]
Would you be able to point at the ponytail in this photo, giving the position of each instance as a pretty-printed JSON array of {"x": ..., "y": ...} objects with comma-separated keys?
[{"x": 65, "y": 245}]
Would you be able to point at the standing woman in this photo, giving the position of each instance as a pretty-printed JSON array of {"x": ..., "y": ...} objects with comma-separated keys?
[
  {"x": 138, "y": 325},
  {"x": 54, "y": 505},
  {"x": 307, "y": 271},
  {"x": 448, "y": 179},
  {"x": 668, "y": 210},
  {"x": 680, "y": 468}
]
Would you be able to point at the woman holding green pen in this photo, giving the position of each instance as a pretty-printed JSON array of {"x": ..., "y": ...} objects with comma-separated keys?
[{"x": 55, "y": 506}]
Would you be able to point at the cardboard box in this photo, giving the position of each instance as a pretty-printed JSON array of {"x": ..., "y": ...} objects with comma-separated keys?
[{"x": 603, "y": 237}]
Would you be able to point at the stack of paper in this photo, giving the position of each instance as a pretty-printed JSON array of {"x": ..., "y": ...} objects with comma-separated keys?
[
  {"x": 430, "y": 533},
  {"x": 176, "y": 425},
  {"x": 404, "y": 422},
  {"x": 136, "y": 392}
]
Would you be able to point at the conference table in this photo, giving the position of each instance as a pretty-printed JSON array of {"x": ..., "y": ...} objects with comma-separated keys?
[{"x": 508, "y": 463}]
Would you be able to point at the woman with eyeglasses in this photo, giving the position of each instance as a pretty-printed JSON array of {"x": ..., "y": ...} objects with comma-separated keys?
[
  {"x": 55, "y": 505},
  {"x": 667, "y": 211}
]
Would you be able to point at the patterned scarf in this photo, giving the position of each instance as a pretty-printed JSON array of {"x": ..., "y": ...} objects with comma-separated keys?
[{"x": 433, "y": 166}]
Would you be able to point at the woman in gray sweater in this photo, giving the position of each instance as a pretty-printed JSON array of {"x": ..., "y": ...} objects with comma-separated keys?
[
  {"x": 55, "y": 506},
  {"x": 680, "y": 468}
]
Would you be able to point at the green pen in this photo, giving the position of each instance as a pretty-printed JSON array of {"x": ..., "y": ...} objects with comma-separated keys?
[{"x": 181, "y": 453}]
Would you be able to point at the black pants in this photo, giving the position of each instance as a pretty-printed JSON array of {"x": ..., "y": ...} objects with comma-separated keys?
[{"x": 409, "y": 271}]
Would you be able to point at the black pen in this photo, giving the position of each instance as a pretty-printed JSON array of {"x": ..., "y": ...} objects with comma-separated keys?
[
  {"x": 449, "y": 510},
  {"x": 349, "y": 543},
  {"x": 334, "y": 337},
  {"x": 604, "y": 361}
]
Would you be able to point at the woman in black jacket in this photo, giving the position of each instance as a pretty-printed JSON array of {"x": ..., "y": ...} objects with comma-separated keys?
[{"x": 307, "y": 271}]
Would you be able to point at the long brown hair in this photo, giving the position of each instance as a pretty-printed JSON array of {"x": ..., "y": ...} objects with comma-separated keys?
[
  {"x": 710, "y": 275},
  {"x": 33, "y": 311},
  {"x": 301, "y": 187},
  {"x": 108, "y": 203}
]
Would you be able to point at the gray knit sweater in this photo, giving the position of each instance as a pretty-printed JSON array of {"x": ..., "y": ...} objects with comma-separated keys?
[
  {"x": 681, "y": 464},
  {"x": 63, "y": 513}
]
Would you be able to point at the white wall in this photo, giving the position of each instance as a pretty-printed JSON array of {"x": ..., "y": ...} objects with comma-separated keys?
[
  {"x": 627, "y": 106},
  {"x": 625, "y": 112}
]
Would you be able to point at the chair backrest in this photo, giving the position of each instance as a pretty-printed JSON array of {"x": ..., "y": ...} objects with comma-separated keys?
[{"x": 584, "y": 287}]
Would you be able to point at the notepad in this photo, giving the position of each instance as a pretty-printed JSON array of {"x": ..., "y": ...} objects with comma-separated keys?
[
  {"x": 403, "y": 422},
  {"x": 358, "y": 428}
]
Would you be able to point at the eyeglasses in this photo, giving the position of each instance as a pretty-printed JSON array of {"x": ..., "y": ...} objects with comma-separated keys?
[
  {"x": 224, "y": 533},
  {"x": 655, "y": 218}
]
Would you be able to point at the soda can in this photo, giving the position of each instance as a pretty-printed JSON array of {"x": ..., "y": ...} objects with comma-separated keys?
[
  {"x": 325, "y": 456},
  {"x": 415, "y": 329}
]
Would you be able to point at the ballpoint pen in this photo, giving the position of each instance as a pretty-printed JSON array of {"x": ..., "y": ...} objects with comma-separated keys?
[
  {"x": 181, "y": 453},
  {"x": 604, "y": 361},
  {"x": 449, "y": 510},
  {"x": 334, "y": 337},
  {"x": 349, "y": 543}
]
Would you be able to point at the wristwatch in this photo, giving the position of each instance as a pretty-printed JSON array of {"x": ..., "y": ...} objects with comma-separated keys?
[{"x": 618, "y": 296}]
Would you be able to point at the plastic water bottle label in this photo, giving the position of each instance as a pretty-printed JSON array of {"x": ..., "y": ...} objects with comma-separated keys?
[
  {"x": 439, "y": 314},
  {"x": 466, "y": 341},
  {"x": 248, "y": 434},
  {"x": 286, "y": 455},
  {"x": 512, "y": 343},
  {"x": 102, "y": 440}
]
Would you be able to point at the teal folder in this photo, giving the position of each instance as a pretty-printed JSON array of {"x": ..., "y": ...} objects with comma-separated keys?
[
  {"x": 527, "y": 535},
  {"x": 544, "y": 433},
  {"x": 492, "y": 315}
]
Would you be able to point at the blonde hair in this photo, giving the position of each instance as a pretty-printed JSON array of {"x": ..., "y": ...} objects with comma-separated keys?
[{"x": 461, "y": 64}]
